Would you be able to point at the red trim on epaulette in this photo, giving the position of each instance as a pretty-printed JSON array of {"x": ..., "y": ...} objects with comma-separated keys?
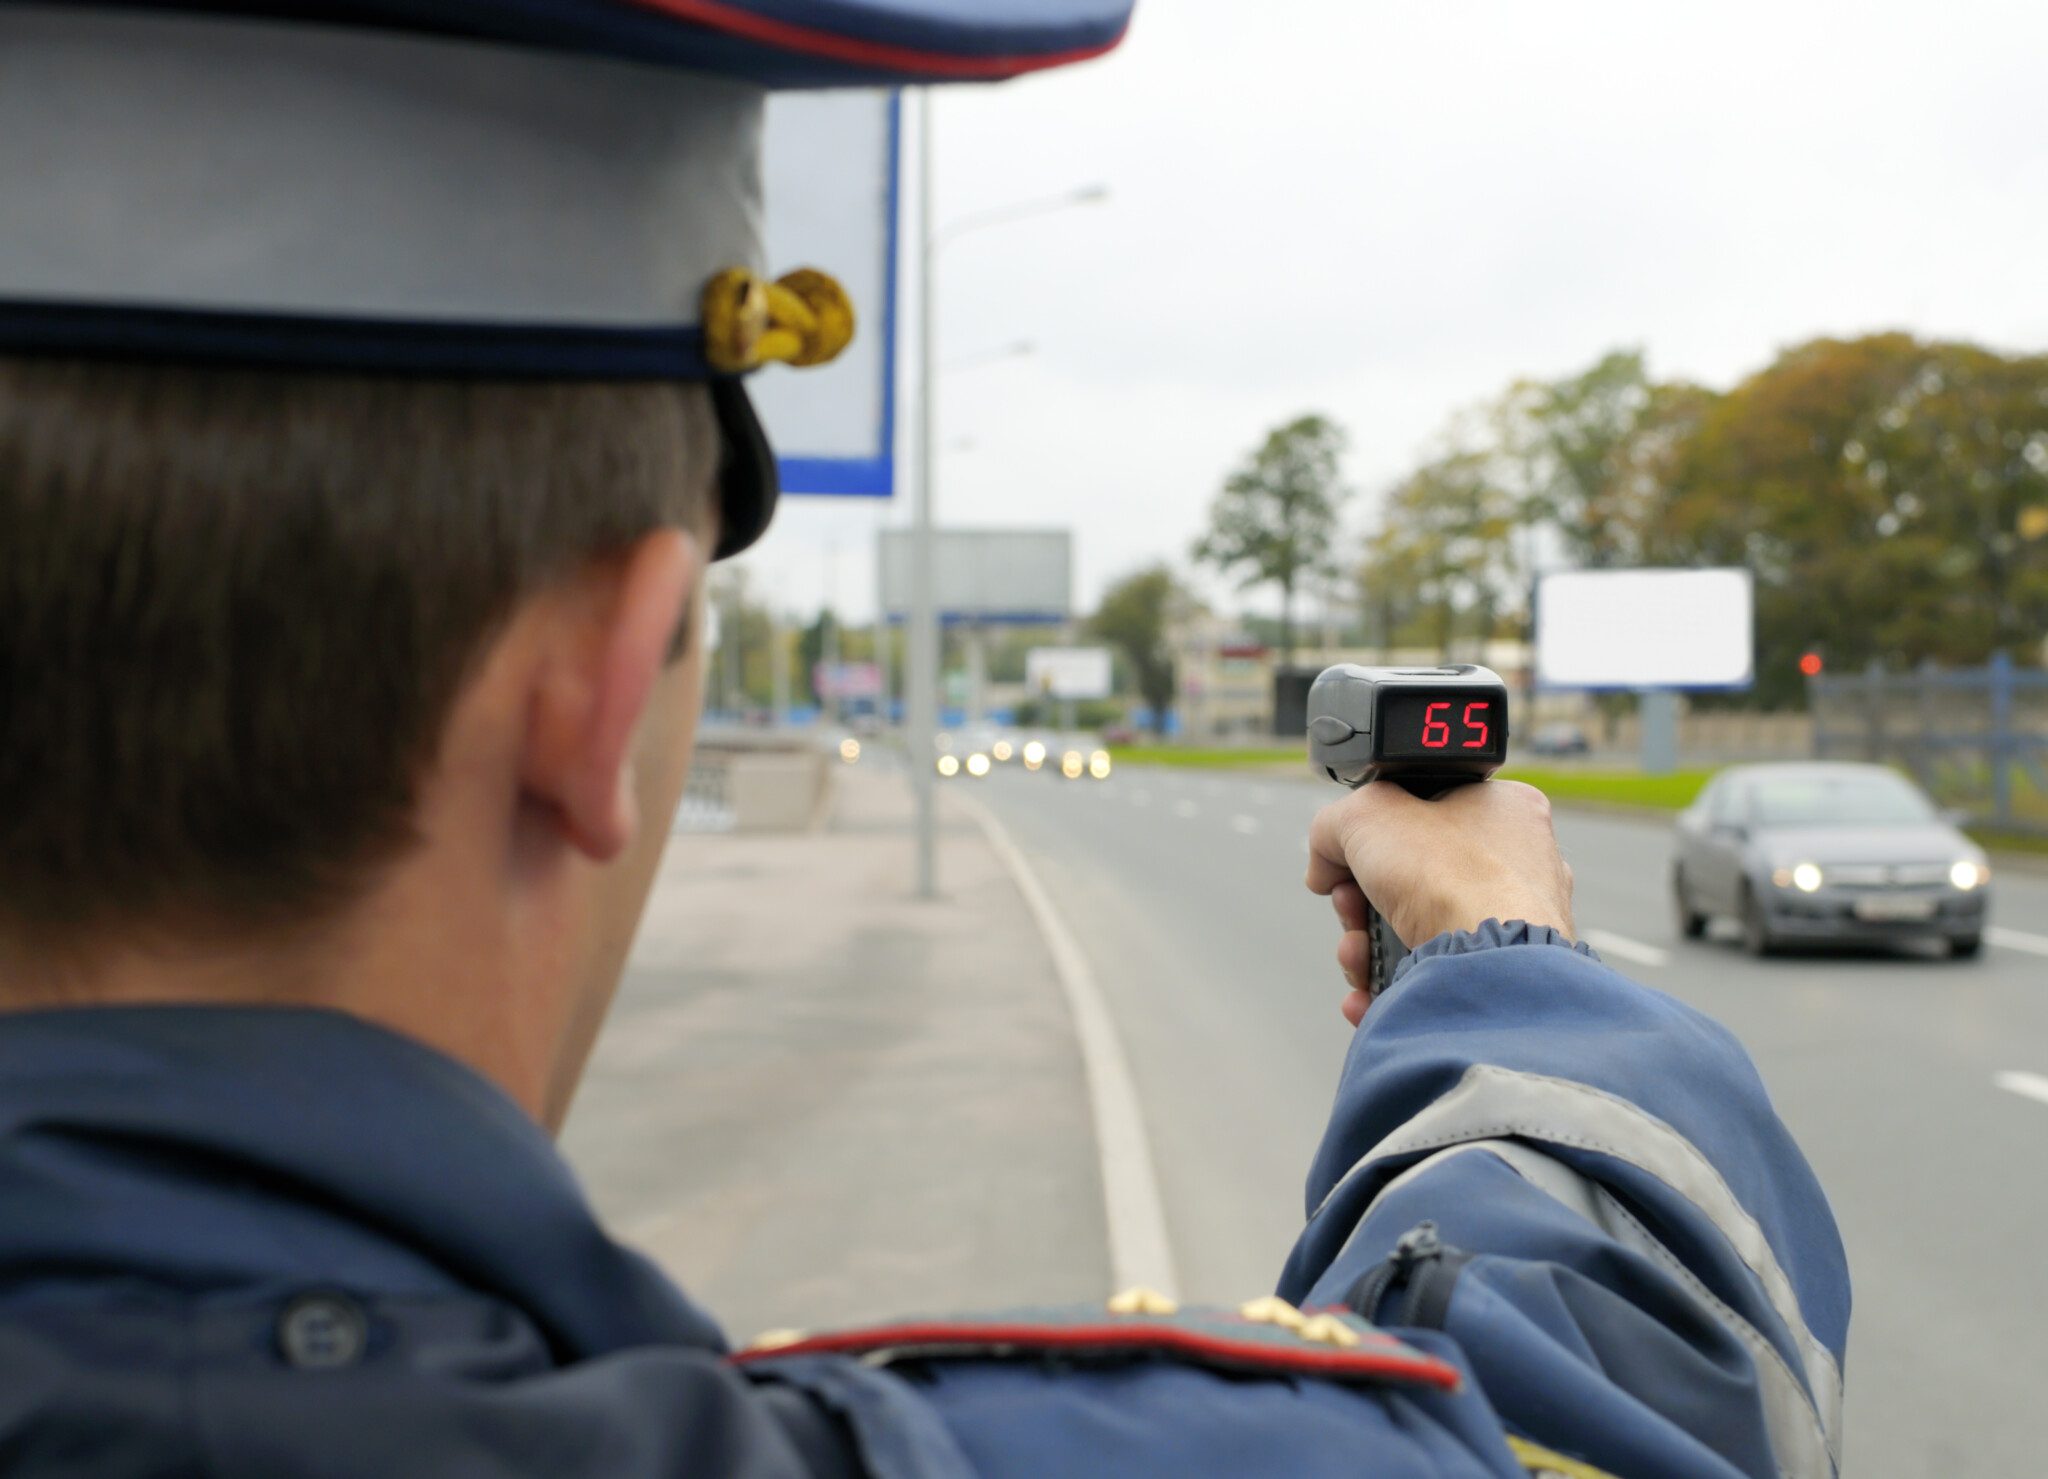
[
  {"x": 967, "y": 1340},
  {"x": 734, "y": 20}
]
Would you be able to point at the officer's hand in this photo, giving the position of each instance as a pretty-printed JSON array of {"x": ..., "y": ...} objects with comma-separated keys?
[{"x": 1478, "y": 852}]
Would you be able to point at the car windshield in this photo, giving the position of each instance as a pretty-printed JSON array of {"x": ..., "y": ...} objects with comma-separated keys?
[{"x": 1837, "y": 800}]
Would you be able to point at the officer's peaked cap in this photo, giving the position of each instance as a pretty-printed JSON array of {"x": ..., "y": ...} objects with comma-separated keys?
[{"x": 545, "y": 188}]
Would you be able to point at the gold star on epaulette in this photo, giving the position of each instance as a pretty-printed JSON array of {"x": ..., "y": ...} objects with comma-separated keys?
[
  {"x": 1329, "y": 1330},
  {"x": 1142, "y": 1301},
  {"x": 1545, "y": 1463},
  {"x": 1271, "y": 1309}
]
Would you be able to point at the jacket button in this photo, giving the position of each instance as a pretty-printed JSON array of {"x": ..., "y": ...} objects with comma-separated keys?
[{"x": 323, "y": 1332}]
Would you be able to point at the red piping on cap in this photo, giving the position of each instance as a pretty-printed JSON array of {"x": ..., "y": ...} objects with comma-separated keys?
[{"x": 735, "y": 21}]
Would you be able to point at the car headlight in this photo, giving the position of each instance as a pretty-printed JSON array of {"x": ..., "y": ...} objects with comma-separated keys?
[
  {"x": 949, "y": 765},
  {"x": 1001, "y": 750},
  {"x": 1071, "y": 765},
  {"x": 1034, "y": 753},
  {"x": 849, "y": 749},
  {"x": 977, "y": 765},
  {"x": 1969, "y": 874},
  {"x": 1098, "y": 765},
  {"x": 1806, "y": 877}
]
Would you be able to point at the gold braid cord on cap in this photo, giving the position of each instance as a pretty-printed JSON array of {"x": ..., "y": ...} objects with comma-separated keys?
[{"x": 802, "y": 318}]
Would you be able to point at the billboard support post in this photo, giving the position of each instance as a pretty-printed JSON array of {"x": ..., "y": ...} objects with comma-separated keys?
[
  {"x": 1658, "y": 714},
  {"x": 921, "y": 658}
]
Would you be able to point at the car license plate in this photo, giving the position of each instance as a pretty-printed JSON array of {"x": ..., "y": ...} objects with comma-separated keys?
[{"x": 1902, "y": 906}]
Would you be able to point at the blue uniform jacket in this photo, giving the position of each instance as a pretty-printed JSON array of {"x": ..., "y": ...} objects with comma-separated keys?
[{"x": 281, "y": 1242}]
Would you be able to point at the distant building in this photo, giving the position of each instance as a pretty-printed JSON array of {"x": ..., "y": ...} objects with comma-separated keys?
[{"x": 1225, "y": 677}]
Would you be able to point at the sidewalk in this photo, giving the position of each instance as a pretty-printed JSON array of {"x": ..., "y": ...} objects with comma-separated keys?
[{"x": 820, "y": 1101}]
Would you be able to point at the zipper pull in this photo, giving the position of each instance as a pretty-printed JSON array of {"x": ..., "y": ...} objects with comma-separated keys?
[{"x": 1419, "y": 1244}]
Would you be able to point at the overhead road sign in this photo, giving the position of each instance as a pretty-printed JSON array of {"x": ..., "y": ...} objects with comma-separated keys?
[
  {"x": 986, "y": 577},
  {"x": 830, "y": 175},
  {"x": 1068, "y": 672},
  {"x": 1645, "y": 630}
]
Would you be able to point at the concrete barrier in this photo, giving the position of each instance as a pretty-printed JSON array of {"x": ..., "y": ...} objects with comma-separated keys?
[{"x": 745, "y": 782}]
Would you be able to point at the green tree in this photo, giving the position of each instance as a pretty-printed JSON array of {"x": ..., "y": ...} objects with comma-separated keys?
[
  {"x": 1135, "y": 617},
  {"x": 1890, "y": 495},
  {"x": 1564, "y": 445},
  {"x": 741, "y": 671},
  {"x": 1276, "y": 516},
  {"x": 811, "y": 648},
  {"x": 1445, "y": 549}
]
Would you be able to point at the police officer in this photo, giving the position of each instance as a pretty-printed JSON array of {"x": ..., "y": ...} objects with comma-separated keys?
[{"x": 369, "y": 411}]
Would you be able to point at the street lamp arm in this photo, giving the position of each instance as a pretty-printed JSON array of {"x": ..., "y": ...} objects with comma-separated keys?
[{"x": 1003, "y": 215}]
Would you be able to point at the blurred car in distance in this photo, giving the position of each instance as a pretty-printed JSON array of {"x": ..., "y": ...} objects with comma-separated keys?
[
  {"x": 1827, "y": 852},
  {"x": 1559, "y": 739},
  {"x": 965, "y": 753},
  {"x": 1078, "y": 755}
]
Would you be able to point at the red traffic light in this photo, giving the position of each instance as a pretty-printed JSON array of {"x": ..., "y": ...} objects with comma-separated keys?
[{"x": 1810, "y": 664}]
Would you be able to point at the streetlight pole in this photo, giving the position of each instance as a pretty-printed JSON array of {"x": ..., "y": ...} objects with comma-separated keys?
[{"x": 921, "y": 656}]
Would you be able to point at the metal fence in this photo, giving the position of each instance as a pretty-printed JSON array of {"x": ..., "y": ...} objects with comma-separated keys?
[
  {"x": 707, "y": 800},
  {"x": 1975, "y": 738}
]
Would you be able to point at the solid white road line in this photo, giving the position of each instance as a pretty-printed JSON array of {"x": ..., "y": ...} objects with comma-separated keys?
[
  {"x": 1139, "y": 1250},
  {"x": 1185, "y": 808},
  {"x": 1244, "y": 824},
  {"x": 2006, "y": 939},
  {"x": 1622, "y": 947},
  {"x": 2026, "y": 1085},
  {"x": 1141, "y": 798}
]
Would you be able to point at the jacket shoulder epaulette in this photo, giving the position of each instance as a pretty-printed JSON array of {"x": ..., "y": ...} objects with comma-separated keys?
[{"x": 1265, "y": 1336}]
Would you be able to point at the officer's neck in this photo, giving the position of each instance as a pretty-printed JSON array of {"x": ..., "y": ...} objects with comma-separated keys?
[
  {"x": 473, "y": 942},
  {"x": 427, "y": 955}
]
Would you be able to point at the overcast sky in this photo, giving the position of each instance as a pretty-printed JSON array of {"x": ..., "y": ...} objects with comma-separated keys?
[{"x": 1386, "y": 211}]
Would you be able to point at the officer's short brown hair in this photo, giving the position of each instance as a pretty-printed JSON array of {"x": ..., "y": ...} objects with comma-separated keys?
[{"x": 236, "y": 605}]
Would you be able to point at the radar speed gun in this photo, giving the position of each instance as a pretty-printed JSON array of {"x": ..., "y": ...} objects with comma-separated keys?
[{"x": 1424, "y": 729}]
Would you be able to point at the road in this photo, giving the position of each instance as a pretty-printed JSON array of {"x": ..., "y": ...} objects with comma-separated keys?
[{"x": 1918, "y": 1086}]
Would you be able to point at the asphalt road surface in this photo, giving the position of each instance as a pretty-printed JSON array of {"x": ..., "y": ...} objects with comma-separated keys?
[{"x": 1917, "y": 1085}]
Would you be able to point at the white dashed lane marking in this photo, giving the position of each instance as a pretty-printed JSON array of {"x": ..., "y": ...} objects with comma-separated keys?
[
  {"x": 1244, "y": 824},
  {"x": 2026, "y": 1085},
  {"x": 1621, "y": 947},
  {"x": 2020, "y": 940},
  {"x": 1185, "y": 808}
]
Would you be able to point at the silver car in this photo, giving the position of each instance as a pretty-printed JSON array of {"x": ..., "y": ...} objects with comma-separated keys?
[{"x": 1827, "y": 853}]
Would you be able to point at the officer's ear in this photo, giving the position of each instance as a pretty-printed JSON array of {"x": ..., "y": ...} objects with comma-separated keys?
[{"x": 609, "y": 633}]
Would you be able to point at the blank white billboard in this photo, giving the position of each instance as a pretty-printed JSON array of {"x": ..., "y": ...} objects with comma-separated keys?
[
  {"x": 1068, "y": 672},
  {"x": 1645, "y": 629},
  {"x": 994, "y": 576}
]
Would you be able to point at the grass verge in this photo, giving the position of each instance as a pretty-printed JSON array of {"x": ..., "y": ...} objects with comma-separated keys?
[
  {"x": 1201, "y": 757},
  {"x": 1672, "y": 792}
]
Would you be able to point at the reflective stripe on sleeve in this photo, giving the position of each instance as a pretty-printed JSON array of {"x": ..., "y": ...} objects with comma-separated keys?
[
  {"x": 1491, "y": 1102},
  {"x": 1802, "y": 1449}
]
